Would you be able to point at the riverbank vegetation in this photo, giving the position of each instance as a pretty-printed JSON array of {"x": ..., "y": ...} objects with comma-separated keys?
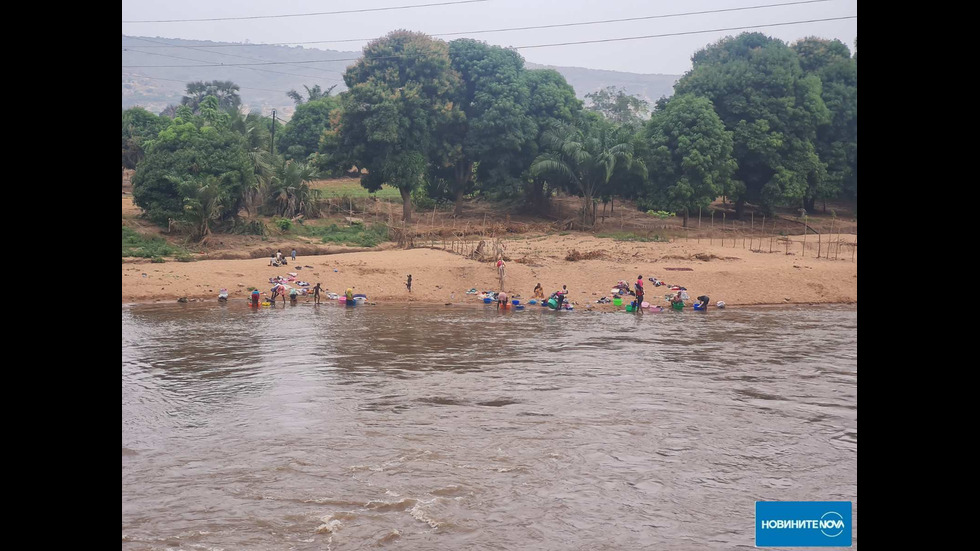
[{"x": 458, "y": 129}]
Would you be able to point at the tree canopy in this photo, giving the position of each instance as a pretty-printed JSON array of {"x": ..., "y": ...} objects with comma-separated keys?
[
  {"x": 398, "y": 103},
  {"x": 689, "y": 156},
  {"x": 761, "y": 93}
]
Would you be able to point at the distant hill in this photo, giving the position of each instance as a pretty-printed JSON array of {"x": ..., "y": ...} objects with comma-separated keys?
[{"x": 263, "y": 88}]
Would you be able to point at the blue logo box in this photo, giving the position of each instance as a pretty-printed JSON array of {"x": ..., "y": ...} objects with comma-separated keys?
[{"x": 803, "y": 524}]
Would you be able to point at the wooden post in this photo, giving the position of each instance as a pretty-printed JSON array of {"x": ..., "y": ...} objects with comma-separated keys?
[
  {"x": 804, "y": 236},
  {"x": 752, "y": 227},
  {"x": 699, "y": 218},
  {"x": 818, "y": 245}
]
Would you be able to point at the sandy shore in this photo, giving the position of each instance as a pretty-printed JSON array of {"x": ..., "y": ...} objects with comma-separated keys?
[{"x": 733, "y": 274}]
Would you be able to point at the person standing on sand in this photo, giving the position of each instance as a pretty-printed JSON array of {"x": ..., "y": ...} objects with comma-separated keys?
[
  {"x": 294, "y": 255},
  {"x": 500, "y": 270},
  {"x": 409, "y": 283},
  {"x": 316, "y": 294}
]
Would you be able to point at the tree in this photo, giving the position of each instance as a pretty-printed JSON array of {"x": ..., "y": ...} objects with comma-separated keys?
[
  {"x": 193, "y": 164},
  {"x": 551, "y": 101},
  {"x": 583, "y": 156},
  {"x": 224, "y": 90},
  {"x": 312, "y": 94},
  {"x": 689, "y": 155},
  {"x": 256, "y": 132},
  {"x": 398, "y": 102},
  {"x": 618, "y": 106},
  {"x": 492, "y": 128},
  {"x": 773, "y": 109},
  {"x": 836, "y": 141},
  {"x": 290, "y": 193},
  {"x": 301, "y": 136}
]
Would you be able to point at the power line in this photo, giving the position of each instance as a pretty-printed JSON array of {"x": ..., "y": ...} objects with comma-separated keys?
[
  {"x": 536, "y": 27},
  {"x": 307, "y": 14},
  {"x": 508, "y": 29},
  {"x": 682, "y": 33},
  {"x": 185, "y": 82},
  {"x": 529, "y": 46},
  {"x": 218, "y": 53}
]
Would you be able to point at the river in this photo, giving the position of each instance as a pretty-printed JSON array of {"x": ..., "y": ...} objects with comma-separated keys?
[{"x": 462, "y": 428}]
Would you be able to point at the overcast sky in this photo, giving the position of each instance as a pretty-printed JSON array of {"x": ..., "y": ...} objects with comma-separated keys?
[{"x": 294, "y": 21}]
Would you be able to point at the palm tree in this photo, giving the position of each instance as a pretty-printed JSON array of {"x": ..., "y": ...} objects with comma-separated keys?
[
  {"x": 289, "y": 191},
  {"x": 224, "y": 90},
  {"x": 312, "y": 94},
  {"x": 255, "y": 129},
  {"x": 583, "y": 156},
  {"x": 203, "y": 201}
]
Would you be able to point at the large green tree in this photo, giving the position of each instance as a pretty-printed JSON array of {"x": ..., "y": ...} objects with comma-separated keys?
[
  {"x": 772, "y": 108},
  {"x": 551, "y": 101},
  {"x": 493, "y": 128},
  {"x": 689, "y": 155},
  {"x": 836, "y": 141},
  {"x": 583, "y": 156},
  {"x": 193, "y": 173},
  {"x": 398, "y": 103}
]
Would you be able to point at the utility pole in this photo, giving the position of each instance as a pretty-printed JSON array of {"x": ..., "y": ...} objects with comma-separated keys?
[{"x": 272, "y": 143}]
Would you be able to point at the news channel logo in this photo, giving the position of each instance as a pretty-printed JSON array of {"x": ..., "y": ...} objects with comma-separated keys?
[{"x": 803, "y": 524}]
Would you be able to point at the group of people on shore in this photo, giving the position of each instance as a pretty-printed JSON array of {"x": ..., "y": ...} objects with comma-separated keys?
[{"x": 676, "y": 300}]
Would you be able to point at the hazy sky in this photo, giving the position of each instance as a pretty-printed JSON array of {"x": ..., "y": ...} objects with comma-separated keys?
[{"x": 248, "y": 20}]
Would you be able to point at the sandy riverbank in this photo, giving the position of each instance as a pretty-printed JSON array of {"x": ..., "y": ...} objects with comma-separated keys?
[{"x": 736, "y": 275}]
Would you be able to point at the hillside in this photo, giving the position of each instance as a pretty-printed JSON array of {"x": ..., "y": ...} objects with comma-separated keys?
[{"x": 151, "y": 80}]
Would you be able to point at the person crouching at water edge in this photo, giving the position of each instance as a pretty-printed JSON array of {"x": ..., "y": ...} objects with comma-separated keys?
[
  {"x": 349, "y": 297},
  {"x": 255, "y": 298},
  {"x": 502, "y": 300}
]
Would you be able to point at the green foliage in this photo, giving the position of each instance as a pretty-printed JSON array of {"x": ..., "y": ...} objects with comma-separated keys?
[
  {"x": 224, "y": 91},
  {"x": 421, "y": 199},
  {"x": 284, "y": 224},
  {"x": 490, "y": 130},
  {"x": 618, "y": 106},
  {"x": 136, "y": 245},
  {"x": 773, "y": 109},
  {"x": 633, "y": 237},
  {"x": 399, "y": 100},
  {"x": 158, "y": 260},
  {"x": 583, "y": 157},
  {"x": 250, "y": 227},
  {"x": 193, "y": 173},
  {"x": 661, "y": 214},
  {"x": 689, "y": 155},
  {"x": 139, "y": 127},
  {"x": 357, "y": 235},
  {"x": 289, "y": 193},
  {"x": 301, "y": 136}
]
